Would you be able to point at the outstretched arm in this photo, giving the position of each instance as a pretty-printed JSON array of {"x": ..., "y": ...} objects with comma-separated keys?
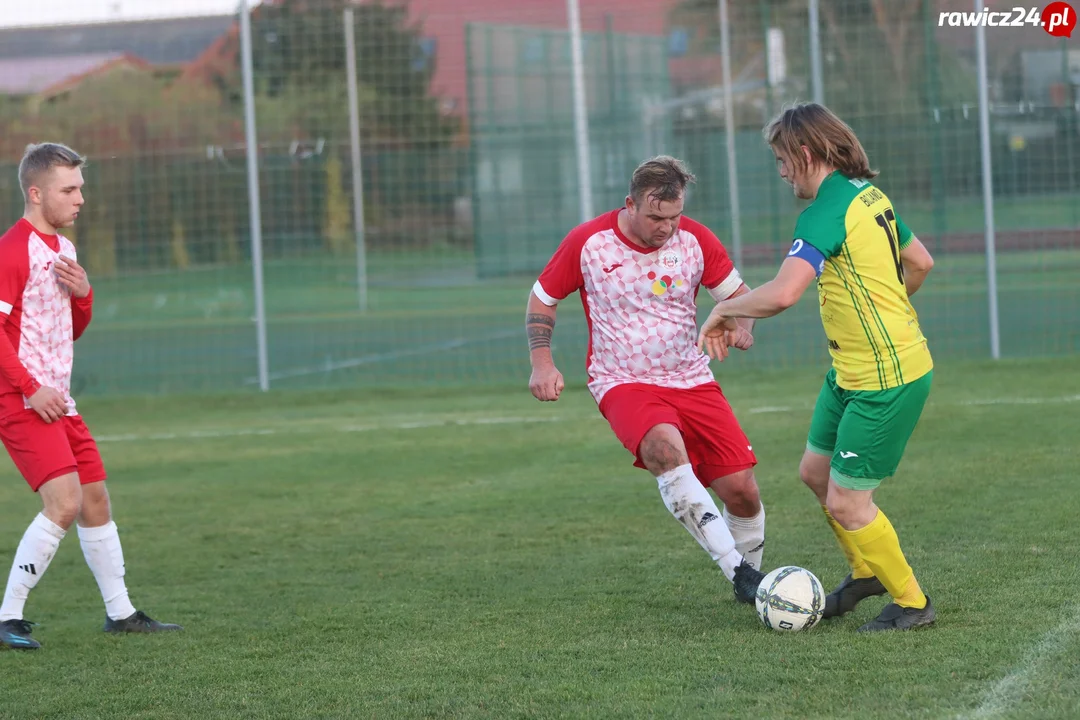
[
  {"x": 546, "y": 383},
  {"x": 747, "y": 323},
  {"x": 770, "y": 299},
  {"x": 742, "y": 336},
  {"x": 773, "y": 297}
]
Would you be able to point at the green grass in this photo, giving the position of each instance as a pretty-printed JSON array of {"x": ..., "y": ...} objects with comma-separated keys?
[
  {"x": 381, "y": 553},
  {"x": 1023, "y": 212}
]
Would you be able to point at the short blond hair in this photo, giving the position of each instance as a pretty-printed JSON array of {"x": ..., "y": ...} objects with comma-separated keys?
[
  {"x": 827, "y": 137},
  {"x": 662, "y": 178},
  {"x": 40, "y": 159}
]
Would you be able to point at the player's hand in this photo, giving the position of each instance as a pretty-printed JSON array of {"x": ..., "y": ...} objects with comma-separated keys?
[
  {"x": 716, "y": 334},
  {"x": 741, "y": 339},
  {"x": 49, "y": 404},
  {"x": 72, "y": 276},
  {"x": 546, "y": 383}
]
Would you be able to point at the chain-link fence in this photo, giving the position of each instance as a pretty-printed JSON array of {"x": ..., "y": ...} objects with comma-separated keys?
[{"x": 462, "y": 118}]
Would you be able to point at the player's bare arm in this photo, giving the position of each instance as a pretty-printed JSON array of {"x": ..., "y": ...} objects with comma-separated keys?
[
  {"x": 743, "y": 338},
  {"x": 72, "y": 276},
  {"x": 770, "y": 299},
  {"x": 546, "y": 382},
  {"x": 917, "y": 263}
]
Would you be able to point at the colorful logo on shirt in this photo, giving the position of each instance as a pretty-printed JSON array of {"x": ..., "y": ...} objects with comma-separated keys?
[
  {"x": 670, "y": 259},
  {"x": 662, "y": 284}
]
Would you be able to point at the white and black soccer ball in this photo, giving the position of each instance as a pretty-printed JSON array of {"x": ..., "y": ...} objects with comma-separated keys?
[{"x": 790, "y": 598}]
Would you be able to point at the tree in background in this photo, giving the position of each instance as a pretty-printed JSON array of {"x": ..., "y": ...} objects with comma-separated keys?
[
  {"x": 114, "y": 118},
  {"x": 883, "y": 69},
  {"x": 299, "y": 61}
]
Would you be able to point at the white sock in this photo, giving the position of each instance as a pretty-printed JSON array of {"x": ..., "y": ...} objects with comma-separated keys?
[
  {"x": 36, "y": 550},
  {"x": 693, "y": 506},
  {"x": 749, "y": 534},
  {"x": 101, "y": 548}
]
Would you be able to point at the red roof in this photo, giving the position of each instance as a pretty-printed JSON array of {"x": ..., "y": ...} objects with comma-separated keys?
[
  {"x": 49, "y": 75},
  {"x": 445, "y": 21}
]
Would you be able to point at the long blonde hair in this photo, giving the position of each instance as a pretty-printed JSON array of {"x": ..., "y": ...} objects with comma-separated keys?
[{"x": 827, "y": 137}]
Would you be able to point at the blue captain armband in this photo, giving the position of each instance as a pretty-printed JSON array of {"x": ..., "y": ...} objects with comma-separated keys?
[{"x": 809, "y": 253}]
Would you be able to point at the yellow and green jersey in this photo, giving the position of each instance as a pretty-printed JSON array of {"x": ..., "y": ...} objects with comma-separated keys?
[{"x": 873, "y": 331}]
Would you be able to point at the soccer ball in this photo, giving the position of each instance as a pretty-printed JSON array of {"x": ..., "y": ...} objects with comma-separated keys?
[{"x": 790, "y": 598}]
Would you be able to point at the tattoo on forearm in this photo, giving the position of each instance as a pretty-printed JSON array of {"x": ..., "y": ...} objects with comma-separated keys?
[
  {"x": 538, "y": 319},
  {"x": 539, "y": 328},
  {"x": 539, "y": 337}
]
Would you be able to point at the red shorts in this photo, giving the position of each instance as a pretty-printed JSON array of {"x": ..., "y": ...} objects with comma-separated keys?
[
  {"x": 43, "y": 451},
  {"x": 715, "y": 443}
]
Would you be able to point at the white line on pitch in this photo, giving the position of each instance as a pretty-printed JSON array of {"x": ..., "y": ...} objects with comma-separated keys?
[
  {"x": 334, "y": 365},
  {"x": 412, "y": 425},
  {"x": 1010, "y": 690}
]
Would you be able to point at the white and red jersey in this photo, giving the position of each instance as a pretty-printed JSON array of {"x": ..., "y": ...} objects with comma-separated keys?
[
  {"x": 40, "y": 318},
  {"x": 640, "y": 304}
]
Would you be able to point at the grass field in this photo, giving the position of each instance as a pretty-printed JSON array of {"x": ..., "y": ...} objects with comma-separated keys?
[{"x": 435, "y": 553}]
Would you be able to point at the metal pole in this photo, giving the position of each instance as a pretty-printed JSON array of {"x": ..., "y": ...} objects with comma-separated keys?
[
  {"x": 774, "y": 200},
  {"x": 933, "y": 86},
  {"x": 255, "y": 210},
  {"x": 647, "y": 120},
  {"x": 1069, "y": 97},
  {"x": 988, "y": 187},
  {"x": 729, "y": 122},
  {"x": 357, "y": 168},
  {"x": 817, "y": 84},
  {"x": 581, "y": 115}
]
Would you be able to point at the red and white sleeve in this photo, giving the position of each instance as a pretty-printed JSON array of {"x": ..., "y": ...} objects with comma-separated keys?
[
  {"x": 720, "y": 277},
  {"x": 562, "y": 275},
  {"x": 82, "y": 309}
]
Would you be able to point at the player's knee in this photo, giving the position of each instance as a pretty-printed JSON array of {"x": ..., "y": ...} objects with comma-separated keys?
[
  {"x": 744, "y": 496},
  {"x": 63, "y": 510},
  {"x": 814, "y": 472},
  {"x": 62, "y": 499},
  {"x": 739, "y": 493},
  {"x": 845, "y": 510},
  {"x": 662, "y": 449},
  {"x": 94, "y": 510},
  {"x": 837, "y": 508}
]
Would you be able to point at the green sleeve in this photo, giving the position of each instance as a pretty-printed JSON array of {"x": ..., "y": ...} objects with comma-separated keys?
[
  {"x": 903, "y": 232},
  {"x": 822, "y": 226}
]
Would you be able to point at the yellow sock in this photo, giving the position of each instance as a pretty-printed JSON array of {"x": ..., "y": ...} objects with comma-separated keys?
[
  {"x": 880, "y": 548},
  {"x": 859, "y": 568}
]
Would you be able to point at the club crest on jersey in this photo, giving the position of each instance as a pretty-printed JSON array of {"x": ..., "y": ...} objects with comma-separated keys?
[
  {"x": 669, "y": 259},
  {"x": 661, "y": 285}
]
